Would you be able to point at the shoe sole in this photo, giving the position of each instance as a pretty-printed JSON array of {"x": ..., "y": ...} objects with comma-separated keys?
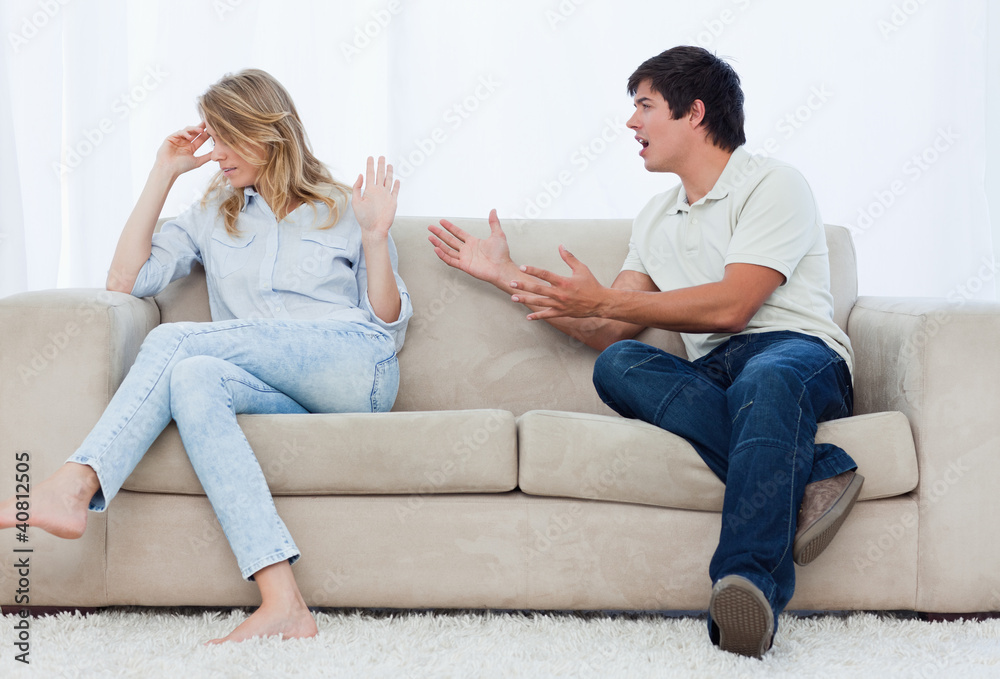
[
  {"x": 818, "y": 536},
  {"x": 743, "y": 616}
]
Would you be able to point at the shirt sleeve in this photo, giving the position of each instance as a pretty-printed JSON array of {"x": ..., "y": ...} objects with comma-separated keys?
[
  {"x": 397, "y": 329},
  {"x": 632, "y": 260},
  {"x": 777, "y": 225},
  {"x": 174, "y": 250}
]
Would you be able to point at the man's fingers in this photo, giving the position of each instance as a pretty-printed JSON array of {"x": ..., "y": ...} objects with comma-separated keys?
[
  {"x": 534, "y": 288},
  {"x": 495, "y": 223},
  {"x": 568, "y": 257},
  {"x": 454, "y": 230},
  {"x": 542, "y": 274},
  {"x": 446, "y": 238},
  {"x": 532, "y": 300},
  {"x": 446, "y": 257},
  {"x": 444, "y": 247},
  {"x": 543, "y": 314}
]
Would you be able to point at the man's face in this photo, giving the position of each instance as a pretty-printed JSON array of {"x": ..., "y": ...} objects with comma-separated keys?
[{"x": 664, "y": 140}]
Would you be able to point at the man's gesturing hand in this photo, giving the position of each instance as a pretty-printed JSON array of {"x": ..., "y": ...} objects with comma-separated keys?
[
  {"x": 488, "y": 260},
  {"x": 579, "y": 295}
]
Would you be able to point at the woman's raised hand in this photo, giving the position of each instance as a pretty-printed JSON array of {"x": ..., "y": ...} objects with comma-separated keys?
[
  {"x": 376, "y": 207},
  {"x": 177, "y": 153}
]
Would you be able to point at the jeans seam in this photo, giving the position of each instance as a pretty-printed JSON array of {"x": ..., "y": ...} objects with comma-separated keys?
[
  {"x": 667, "y": 401},
  {"x": 789, "y": 533},
  {"x": 269, "y": 390},
  {"x": 642, "y": 362},
  {"x": 380, "y": 369},
  {"x": 270, "y": 498},
  {"x": 795, "y": 450}
]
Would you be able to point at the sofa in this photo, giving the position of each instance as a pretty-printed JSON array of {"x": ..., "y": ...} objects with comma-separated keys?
[{"x": 500, "y": 480}]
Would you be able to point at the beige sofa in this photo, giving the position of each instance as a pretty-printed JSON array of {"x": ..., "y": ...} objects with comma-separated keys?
[{"x": 500, "y": 480}]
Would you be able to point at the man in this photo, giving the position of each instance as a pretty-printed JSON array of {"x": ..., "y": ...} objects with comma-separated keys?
[{"x": 735, "y": 259}]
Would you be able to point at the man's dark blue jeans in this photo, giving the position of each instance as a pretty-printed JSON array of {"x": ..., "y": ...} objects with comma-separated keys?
[{"x": 750, "y": 408}]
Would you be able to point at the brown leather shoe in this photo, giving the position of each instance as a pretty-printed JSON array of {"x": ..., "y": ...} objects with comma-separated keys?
[
  {"x": 742, "y": 615},
  {"x": 825, "y": 505}
]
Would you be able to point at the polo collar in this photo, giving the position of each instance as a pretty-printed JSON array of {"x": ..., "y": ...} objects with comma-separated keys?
[{"x": 735, "y": 168}]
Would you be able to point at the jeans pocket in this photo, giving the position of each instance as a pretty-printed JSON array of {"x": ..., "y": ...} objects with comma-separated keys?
[{"x": 385, "y": 385}]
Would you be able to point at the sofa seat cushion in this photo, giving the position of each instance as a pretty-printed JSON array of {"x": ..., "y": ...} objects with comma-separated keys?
[
  {"x": 599, "y": 457},
  {"x": 468, "y": 451}
]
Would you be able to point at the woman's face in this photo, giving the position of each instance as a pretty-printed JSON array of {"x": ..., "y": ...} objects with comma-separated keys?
[{"x": 234, "y": 167}]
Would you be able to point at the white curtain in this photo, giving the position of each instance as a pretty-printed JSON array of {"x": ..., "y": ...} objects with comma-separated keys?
[{"x": 518, "y": 105}]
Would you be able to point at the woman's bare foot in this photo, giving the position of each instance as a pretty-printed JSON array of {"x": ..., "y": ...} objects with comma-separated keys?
[
  {"x": 271, "y": 622},
  {"x": 283, "y": 611},
  {"x": 59, "y": 504}
]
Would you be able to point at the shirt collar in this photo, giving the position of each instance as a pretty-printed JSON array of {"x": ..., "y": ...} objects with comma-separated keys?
[
  {"x": 735, "y": 168},
  {"x": 248, "y": 193}
]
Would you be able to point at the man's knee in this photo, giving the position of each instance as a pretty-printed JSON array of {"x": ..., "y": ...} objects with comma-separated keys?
[{"x": 614, "y": 361}]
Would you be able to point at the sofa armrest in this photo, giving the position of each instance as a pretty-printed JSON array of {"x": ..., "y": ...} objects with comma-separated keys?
[
  {"x": 938, "y": 362},
  {"x": 63, "y": 353}
]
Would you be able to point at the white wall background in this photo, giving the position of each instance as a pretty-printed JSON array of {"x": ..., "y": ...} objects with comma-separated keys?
[{"x": 518, "y": 105}]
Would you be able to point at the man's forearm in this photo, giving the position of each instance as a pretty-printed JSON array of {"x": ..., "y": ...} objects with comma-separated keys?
[{"x": 708, "y": 308}]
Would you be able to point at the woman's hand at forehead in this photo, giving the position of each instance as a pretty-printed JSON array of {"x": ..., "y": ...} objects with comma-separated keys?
[{"x": 177, "y": 153}]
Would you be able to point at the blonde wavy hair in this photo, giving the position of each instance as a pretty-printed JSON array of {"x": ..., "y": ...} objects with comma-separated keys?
[{"x": 253, "y": 114}]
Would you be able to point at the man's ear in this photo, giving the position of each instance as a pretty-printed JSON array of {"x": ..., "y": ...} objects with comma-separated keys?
[{"x": 697, "y": 113}]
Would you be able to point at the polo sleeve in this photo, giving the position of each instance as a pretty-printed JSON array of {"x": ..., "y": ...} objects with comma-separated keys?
[
  {"x": 632, "y": 260},
  {"x": 640, "y": 230},
  {"x": 777, "y": 225},
  {"x": 174, "y": 250}
]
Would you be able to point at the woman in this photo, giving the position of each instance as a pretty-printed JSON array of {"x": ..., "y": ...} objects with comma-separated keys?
[{"x": 307, "y": 315}]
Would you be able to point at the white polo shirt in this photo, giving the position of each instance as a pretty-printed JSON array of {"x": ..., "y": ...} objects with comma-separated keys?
[{"x": 760, "y": 211}]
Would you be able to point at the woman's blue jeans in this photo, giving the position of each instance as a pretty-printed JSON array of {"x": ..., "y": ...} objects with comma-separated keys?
[
  {"x": 750, "y": 408},
  {"x": 202, "y": 375}
]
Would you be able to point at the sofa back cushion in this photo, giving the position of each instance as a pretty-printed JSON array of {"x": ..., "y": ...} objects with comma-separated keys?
[{"x": 469, "y": 346}]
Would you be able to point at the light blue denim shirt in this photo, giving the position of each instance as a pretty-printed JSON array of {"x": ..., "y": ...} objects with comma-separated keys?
[{"x": 287, "y": 270}]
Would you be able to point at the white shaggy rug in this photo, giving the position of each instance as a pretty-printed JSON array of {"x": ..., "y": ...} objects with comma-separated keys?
[{"x": 138, "y": 642}]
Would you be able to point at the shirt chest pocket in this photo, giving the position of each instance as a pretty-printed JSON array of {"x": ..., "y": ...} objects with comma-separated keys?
[
  {"x": 228, "y": 255},
  {"x": 319, "y": 252}
]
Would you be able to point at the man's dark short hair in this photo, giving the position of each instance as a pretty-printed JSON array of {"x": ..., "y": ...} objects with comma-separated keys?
[{"x": 682, "y": 74}]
